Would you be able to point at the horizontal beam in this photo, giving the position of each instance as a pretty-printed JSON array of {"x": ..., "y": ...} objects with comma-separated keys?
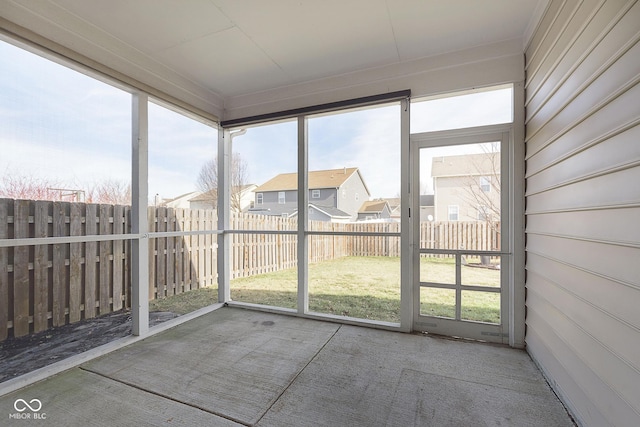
[{"x": 317, "y": 109}]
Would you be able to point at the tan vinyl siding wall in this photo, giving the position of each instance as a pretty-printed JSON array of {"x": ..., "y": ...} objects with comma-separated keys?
[{"x": 583, "y": 206}]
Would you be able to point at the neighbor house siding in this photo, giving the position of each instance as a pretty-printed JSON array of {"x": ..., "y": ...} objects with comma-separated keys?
[
  {"x": 583, "y": 207},
  {"x": 460, "y": 190},
  {"x": 327, "y": 197},
  {"x": 347, "y": 200}
]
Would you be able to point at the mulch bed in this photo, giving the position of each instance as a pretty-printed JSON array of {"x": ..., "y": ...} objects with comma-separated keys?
[{"x": 21, "y": 355}]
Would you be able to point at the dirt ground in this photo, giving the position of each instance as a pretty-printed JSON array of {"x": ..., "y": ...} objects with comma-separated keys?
[{"x": 25, "y": 354}]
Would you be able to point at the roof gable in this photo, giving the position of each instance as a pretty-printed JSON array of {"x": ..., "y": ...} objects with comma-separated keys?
[
  {"x": 466, "y": 164},
  {"x": 330, "y": 178},
  {"x": 374, "y": 206}
]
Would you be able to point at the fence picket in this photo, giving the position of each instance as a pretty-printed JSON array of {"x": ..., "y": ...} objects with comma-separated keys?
[
  {"x": 186, "y": 248},
  {"x": 118, "y": 228},
  {"x": 193, "y": 250},
  {"x": 90, "y": 270},
  {"x": 206, "y": 225},
  {"x": 151, "y": 217},
  {"x": 21, "y": 269},
  {"x": 41, "y": 267},
  {"x": 161, "y": 260},
  {"x": 171, "y": 256},
  {"x": 179, "y": 226},
  {"x": 200, "y": 248},
  {"x": 75, "y": 264},
  {"x": 59, "y": 269},
  {"x": 104, "y": 263}
]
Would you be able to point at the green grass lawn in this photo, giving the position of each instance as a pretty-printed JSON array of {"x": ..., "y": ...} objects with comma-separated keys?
[{"x": 361, "y": 287}]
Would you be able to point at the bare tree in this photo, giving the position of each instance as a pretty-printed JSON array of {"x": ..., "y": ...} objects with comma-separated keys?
[
  {"x": 207, "y": 181},
  {"x": 482, "y": 188},
  {"x": 112, "y": 192},
  {"x": 29, "y": 187},
  {"x": 483, "y": 184}
]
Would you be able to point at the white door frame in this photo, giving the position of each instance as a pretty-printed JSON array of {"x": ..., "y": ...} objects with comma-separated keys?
[{"x": 460, "y": 328}]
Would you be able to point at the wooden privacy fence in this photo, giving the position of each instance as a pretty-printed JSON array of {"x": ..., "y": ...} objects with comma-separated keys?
[
  {"x": 53, "y": 284},
  {"x": 182, "y": 263},
  {"x": 470, "y": 235}
]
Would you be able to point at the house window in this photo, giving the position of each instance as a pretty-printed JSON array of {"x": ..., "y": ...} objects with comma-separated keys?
[
  {"x": 453, "y": 212},
  {"x": 281, "y": 198},
  {"x": 315, "y": 194},
  {"x": 259, "y": 198},
  {"x": 485, "y": 183}
]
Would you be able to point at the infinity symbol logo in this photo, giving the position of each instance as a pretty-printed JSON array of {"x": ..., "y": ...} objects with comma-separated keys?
[{"x": 37, "y": 405}]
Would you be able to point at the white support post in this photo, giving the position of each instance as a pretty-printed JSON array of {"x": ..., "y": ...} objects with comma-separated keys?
[
  {"x": 139, "y": 224},
  {"x": 224, "y": 239},
  {"x": 303, "y": 209},
  {"x": 516, "y": 228},
  {"x": 406, "y": 231}
]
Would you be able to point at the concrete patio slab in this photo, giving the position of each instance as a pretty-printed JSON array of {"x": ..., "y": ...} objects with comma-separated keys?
[
  {"x": 235, "y": 363},
  {"x": 370, "y": 377},
  {"x": 81, "y": 398},
  {"x": 241, "y": 367}
]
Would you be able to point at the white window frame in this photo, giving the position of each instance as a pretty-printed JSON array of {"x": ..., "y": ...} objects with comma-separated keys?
[
  {"x": 282, "y": 198},
  {"x": 315, "y": 194},
  {"x": 259, "y": 198},
  {"x": 485, "y": 183},
  {"x": 449, "y": 212}
]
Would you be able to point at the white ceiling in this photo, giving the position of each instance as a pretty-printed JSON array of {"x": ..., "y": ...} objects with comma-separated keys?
[{"x": 232, "y": 48}]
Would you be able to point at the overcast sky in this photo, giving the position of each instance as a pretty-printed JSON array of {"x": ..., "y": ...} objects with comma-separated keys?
[{"x": 75, "y": 131}]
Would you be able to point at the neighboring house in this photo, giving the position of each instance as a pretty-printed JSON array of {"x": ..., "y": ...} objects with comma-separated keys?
[
  {"x": 374, "y": 210},
  {"x": 207, "y": 200},
  {"x": 334, "y": 195},
  {"x": 394, "y": 206},
  {"x": 182, "y": 201},
  {"x": 427, "y": 208},
  {"x": 466, "y": 187},
  {"x": 242, "y": 198}
]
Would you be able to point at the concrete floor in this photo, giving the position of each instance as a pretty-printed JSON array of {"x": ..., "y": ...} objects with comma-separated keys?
[{"x": 238, "y": 367}]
